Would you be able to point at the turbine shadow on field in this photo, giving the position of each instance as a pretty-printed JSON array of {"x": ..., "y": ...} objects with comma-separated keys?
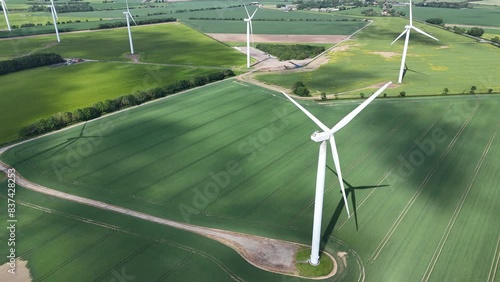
[
  {"x": 72, "y": 140},
  {"x": 350, "y": 190},
  {"x": 64, "y": 144}
]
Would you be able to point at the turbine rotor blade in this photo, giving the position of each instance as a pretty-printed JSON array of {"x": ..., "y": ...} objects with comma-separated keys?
[
  {"x": 54, "y": 8},
  {"x": 356, "y": 111},
  {"x": 313, "y": 118},
  {"x": 248, "y": 14},
  {"x": 131, "y": 17},
  {"x": 336, "y": 160},
  {"x": 254, "y": 13},
  {"x": 4, "y": 6},
  {"x": 402, "y": 33},
  {"x": 424, "y": 33}
]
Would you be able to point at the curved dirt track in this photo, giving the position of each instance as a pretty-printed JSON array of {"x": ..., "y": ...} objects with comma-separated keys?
[{"x": 265, "y": 253}]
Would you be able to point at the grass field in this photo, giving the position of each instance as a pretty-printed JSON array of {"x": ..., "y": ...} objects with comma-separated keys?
[
  {"x": 455, "y": 62},
  {"x": 239, "y": 157}
]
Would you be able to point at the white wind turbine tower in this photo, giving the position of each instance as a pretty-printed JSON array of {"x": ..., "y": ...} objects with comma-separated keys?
[
  {"x": 54, "y": 19},
  {"x": 129, "y": 16},
  {"x": 4, "y": 8},
  {"x": 323, "y": 137},
  {"x": 405, "y": 49},
  {"x": 249, "y": 30}
]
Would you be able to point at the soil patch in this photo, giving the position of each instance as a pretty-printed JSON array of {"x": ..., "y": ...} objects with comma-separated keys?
[
  {"x": 385, "y": 54},
  {"x": 22, "y": 272}
]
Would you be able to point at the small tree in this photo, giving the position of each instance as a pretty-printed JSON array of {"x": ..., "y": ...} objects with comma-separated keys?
[
  {"x": 297, "y": 85},
  {"x": 362, "y": 95},
  {"x": 385, "y": 95},
  {"x": 475, "y": 31},
  {"x": 445, "y": 91},
  {"x": 490, "y": 91},
  {"x": 302, "y": 91},
  {"x": 402, "y": 93},
  {"x": 473, "y": 89},
  {"x": 323, "y": 96}
]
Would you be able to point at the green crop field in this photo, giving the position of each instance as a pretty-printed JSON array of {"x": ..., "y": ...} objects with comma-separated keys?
[
  {"x": 421, "y": 173},
  {"x": 154, "y": 43},
  {"x": 454, "y": 62},
  {"x": 67, "y": 88},
  {"x": 52, "y": 90},
  {"x": 267, "y": 21},
  {"x": 479, "y": 15},
  {"x": 63, "y": 241},
  {"x": 277, "y": 27}
]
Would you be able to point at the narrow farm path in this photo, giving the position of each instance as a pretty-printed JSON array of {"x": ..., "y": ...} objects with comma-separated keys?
[{"x": 268, "y": 254}]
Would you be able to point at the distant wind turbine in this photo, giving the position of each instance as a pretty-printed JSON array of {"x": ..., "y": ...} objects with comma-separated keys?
[
  {"x": 406, "y": 31},
  {"x": 323, "y": 137},
  {"x": 54, "y": 19},
  {"x": 249, "y": 31},
  {"x": 4, "y": 8},
  {"x": 127, "y": 16}
]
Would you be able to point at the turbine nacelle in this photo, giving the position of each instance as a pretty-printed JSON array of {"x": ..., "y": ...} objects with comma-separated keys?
[
  {"x": 246, "y": 20},
  {"x": 320, "y": 136}
]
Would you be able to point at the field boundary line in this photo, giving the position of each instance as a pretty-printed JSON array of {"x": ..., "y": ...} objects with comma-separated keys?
[
  {"x": 410, "y": 203},
  {"x": 494, "y": 266},
  {"x": 454, "y": 217}
]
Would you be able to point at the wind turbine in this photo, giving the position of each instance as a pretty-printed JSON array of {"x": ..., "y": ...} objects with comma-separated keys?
[
  {"x": 322, "y": 138},
  {"x": 54, "y": 19},
  {"x": 249, "y": 30},
  {"x": 406, "y": 31},
  {"x": 55, "y": 12},
  {"x": 4, "y": 8},
  {"x": 127, "y": 16}
]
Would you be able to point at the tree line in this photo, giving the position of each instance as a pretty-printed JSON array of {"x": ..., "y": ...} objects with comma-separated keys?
[
  {"x": 451, "y": 5},
  {"x": 207, "y": 9},
  {"x": 60, "y": 120},
  {"x": 274, "y": 20},
  {"x": 291, "y": 52},
  {"x": 29, "y": 62},
  {"x": 64, "y": 8},
  {"x": 139, "y": 22}
]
